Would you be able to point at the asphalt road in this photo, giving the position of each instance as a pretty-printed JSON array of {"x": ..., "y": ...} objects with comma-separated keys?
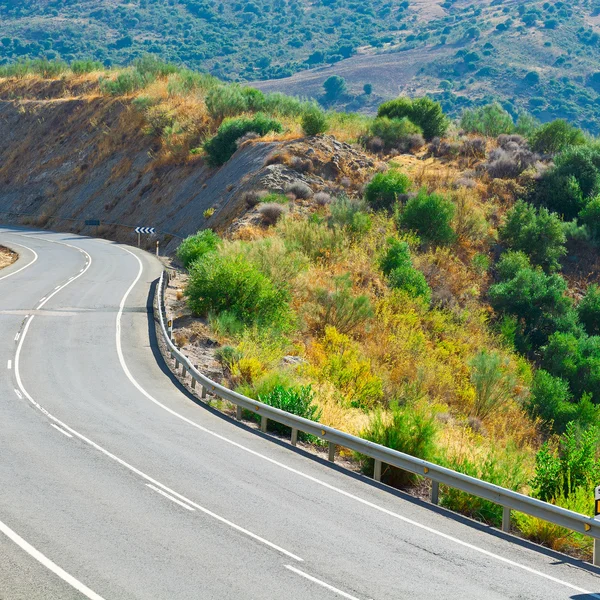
[{"x": 115, "y": 485}]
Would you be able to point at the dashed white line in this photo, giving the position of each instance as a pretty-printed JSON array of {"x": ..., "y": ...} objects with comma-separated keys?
[
  {"x": 44, "y": 298},
  {"x": 171, "y": 498},
  {"x": 9, "y": 365},
  {"x": 321, "y": 583},
  {"x": 18, "y": 393},
  {"x": 61, "y": 430},
  {"x": 17, "y": 336},
  {"x": 74, "y": 583}
]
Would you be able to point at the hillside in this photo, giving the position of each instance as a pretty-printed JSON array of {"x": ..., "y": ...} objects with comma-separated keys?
[{"x": 536, "y": 56}]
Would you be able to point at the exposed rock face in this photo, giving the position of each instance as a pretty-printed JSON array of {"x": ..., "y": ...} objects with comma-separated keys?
[{"x": 65, "y": 160}]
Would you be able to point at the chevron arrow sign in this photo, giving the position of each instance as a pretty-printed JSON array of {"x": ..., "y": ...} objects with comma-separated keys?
[{"x": 145, "y": 230}]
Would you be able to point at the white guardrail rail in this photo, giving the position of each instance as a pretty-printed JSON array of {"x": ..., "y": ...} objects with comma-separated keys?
[{"x": 508, "y": 499}]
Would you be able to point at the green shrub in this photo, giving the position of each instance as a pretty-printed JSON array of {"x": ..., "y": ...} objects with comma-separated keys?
[
  {"x": 589, "y": 310},
  {"x": 314, "y": 121},
  {"x": 575, "y": 358},
  {"x": 406, "y": 429},
  {"x": 590, "y": 217},
  {"x": 393, "y": 131},
  {"x": 233, "y": 284},
  {"x": 226, "y": 101},
  {"x": 335, "y": 87},
  {"x": 430, "y": 216},
  {"x": 493, "y": 382},
  {"x": 340, "y": 308},
  {"x": 313, "y": 239},
  {"x": 423, "y": 112},
  {"x": 551, "y": 400},
  {"x": 490, "y": 120},
  {"x": 125, "y": 83},
  {"x": 81, "y": 67},
  {"x": 351, "y": 214},
  {"x": 538, "y": 233},
  {"x": 397, "y": 266},
  {"x": 573, "y": 464},
  {"x": 555, "y": 137},
  {"x": 222, "y": 146},
  {"x": 295, "y": 400},
  {"x": 48, "y": 69},
  {"x": 383, "y": 190},
  {"x": 150, "y": 66},
  {"x": 538, "y": 301},
  {"x": 196, "y": 246}
]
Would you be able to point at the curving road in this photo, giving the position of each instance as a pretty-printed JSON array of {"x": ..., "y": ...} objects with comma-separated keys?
[{"x": 114, "y": 485}]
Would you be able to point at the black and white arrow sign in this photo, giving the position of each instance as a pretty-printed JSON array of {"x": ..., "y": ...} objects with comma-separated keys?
[{"x": 145, "y": 230}]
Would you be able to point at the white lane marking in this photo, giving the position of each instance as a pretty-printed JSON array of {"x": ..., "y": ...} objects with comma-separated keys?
[
  {"x": 35, "y": 257},
  {"x": 61, "y": 430},
  {"x": 141, "y": 474},
  {"x": 9, "y": 365},
  {"x": 324, "y": 484},
  {"x": 18, "y": 393},
  {"x": 57, "y": 287},
  {"x": 171, "y": 498},
  {"x": 45, "y": 296},
  {"x": 321, "y": 583},
  {"x": 17, "y": 336},
  {"x": 74, "y": 583}
]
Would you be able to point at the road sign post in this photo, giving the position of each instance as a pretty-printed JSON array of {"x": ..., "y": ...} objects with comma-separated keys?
[
  {"x": 140, "y": 230},
  {"x": 596, "y": 557}
]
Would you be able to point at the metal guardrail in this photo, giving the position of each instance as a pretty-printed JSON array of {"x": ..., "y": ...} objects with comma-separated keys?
[{"x": 508, "y": 499}]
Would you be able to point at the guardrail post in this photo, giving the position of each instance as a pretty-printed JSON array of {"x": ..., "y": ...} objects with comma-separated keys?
[
  {"x": 506, "y": 519},
  {"x": 331, "y": 452},
  {"x": 203, "y": 392},
  {"x": 294, "y": 436},
  {"x": 263, "y": 424},
  {"x": 176, "y": 363},
  {"x": 377, "y": 470},
  {"x": 183, "y": 371},
  {"x": 238, "y": 413},
  {"x": 435, "y": 491},
  {"x": 596, "y": 558},
  {"x": 193, "y": 383}
]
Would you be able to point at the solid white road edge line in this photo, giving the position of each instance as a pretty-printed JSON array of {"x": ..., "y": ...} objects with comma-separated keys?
[
  {"x": 171, "y": 498},
  {"x": 321, "y": 583},
  {"x": 35, "y": 257},
  {"x": 328, "y": 486},
  {"x": 46, "y": 562},
  {"x": 61, "y": 430}
]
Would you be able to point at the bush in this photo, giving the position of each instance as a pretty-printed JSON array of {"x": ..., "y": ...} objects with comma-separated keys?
[
  {"x": 538, "y": 233},
  {"x": 590, "y": 217},
  {"x": 423, "y": 112},
  {"x": 196, "y": 246},
  {"x": 234, "y": 285},
  {"x": 509, "y": 161},
  {"x": 589, "y": 310},
  {"x": 537, "y": 300},
  {"x": 314, "y": 121},
  {"x": 350, "y": 214},
  {"x": 397, "y": 267},
  {"x": 383, "y": 190},
  {"x": 222, "y": 146},
  {"x": 405, "y": 429},
  {"x": 315, "y": 240},
  {"x": 271, "y": 212},
  {"x": 81, "y": 67},
  {"x": 299, "y": 189},
  {"x": 556, "y": 136},
  {"x": 473, "y": 147},
  {"x": 572, "y": 465},
  {"x": 429, "y": 215},
  {"x": 493, "y": 382},
  {"x": 295, "y": 400},
  {"x": 125, "y": 83},
  {"x": 394, "y": 133},
  {"x": 340, "y": 308},
  {"x": 226, "y": 101},
  {"x": 335, "y": 87},
  {"x": 490, "y": 120},
  {"x": 322, "y": 198}
]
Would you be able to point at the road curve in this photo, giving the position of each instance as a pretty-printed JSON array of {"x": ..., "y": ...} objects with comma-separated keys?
[{"x": 115, "y": 485}]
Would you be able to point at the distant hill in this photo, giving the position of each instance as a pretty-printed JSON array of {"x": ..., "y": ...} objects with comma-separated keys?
[{"x": 543, "y": 57}]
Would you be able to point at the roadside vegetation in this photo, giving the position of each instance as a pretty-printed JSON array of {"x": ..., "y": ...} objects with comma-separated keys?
[{"x": 448, "y": 309}]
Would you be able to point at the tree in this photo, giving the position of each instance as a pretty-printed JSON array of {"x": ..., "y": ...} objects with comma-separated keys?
[
  {"x": 489, "y": 120},
  {"x": 424, "y": 112},
  {"x": 314, "y": 121},
  {"x": 368, "y": 89},
  {"x": 335, "y": 86},
  {"x": 536, "y": 232},
  {"x": 555, "y": 137},
  {"x": 589, "y": 310}
]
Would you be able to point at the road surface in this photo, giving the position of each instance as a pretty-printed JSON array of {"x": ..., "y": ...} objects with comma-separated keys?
[{"x": 115, "y": 485}]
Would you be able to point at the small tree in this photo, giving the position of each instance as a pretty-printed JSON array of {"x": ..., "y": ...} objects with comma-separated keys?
[
  {"x": 196, "y": 246},
  {"x": 368, "y": 89},
  {"x": 314, "y": 121},
  {"x": 335, "y": 87},
  {"x": 383, "y": 190},
  {"x": 490, "y": 120},
  {"x": 429, "y": 215},
  {"x": 590, "y": 217},
  {"x": 589, "y": 310},
  {"x": 556, "y": 136},
  {"x": 424, "y": 112}
]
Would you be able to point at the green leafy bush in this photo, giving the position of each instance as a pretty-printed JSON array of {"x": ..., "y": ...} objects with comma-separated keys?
[
  {"x": 397, "y": 266},
  {"x": 226, "y": 101},
  {"x": 295, "y": 400},
  {"x": 406, "y": 429},
  {"x": 493, "y": 382},
  {"x": 222, "y": 146},
  {"x": 588, "y": 310},
  {"x": 555, "y": 137},
  {"x": 430, "y": 216},
  {"x": 234, "y": 285},
  {"x": 351, "y": 214},
  {"x": 590, "y": 217},
  {"x": 383, "y": 190},
  {"x": 196, "y": 246},
  {"x": 125, "y": 83},
  {"x": 313, "y": 239},
  {"x": 423, "y": 112},
  {"x": 81, "y": 67},
  {"x": 490, "y": 120},
  {"x": 314, "y": 121},
  {"x": 538, "y": 233},
  {"x": 393, "y": 131}
]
